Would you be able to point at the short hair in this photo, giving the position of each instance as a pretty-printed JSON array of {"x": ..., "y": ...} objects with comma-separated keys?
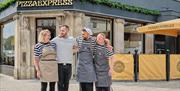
[
  {"x": 66, "y": 26},
  {"x": 42, "y": 35}
]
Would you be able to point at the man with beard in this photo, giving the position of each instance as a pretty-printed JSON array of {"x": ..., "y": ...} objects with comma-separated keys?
[
  {"x": 85, "y": 71},
  {"x": 65, "y": 47}
]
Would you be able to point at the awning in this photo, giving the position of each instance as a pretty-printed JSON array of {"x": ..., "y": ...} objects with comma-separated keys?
[{"x": 170, "y": 28}]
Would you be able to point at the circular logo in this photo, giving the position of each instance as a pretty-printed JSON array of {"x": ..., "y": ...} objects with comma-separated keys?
[
  {"x": 118, "y": 67},
  {"x": 178, "y": 66}
]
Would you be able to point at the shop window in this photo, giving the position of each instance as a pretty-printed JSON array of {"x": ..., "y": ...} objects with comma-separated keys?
[
  {"x": 94, "y": 24},
  {"x": 8, "y": 43},
  {"x": 101, "y": 25},
  {"x": 132, "y": 39}
]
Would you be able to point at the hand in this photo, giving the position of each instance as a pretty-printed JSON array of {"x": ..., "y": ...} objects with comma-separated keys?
[
  {"x": 108, "y": 44},
  {"x": 38, "y": 74},
  {"x": 110, "y": 72},
  {"x": 107, "y": 41},
  {"x": 75, "y": 49},
  {"x": 110, "y": 48}
]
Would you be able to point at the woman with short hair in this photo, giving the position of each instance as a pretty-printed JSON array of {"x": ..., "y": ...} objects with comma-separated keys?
[{"x": 45, "y": 61}]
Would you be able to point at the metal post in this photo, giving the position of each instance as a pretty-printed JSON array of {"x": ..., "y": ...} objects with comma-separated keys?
[
  {"x": 136, "y": 67},
  {"x": 167, "y": 65}
]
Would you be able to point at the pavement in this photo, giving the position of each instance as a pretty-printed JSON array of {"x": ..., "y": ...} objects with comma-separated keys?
[{"x": 8, "y": 83}]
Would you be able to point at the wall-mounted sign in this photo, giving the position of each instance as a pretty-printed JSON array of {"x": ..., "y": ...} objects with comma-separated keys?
[
  {"x": 44, "y": 3},
  {"x": 163, "y": 26}
]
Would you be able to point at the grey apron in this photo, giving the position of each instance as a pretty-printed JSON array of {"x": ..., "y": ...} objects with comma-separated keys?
[
  {"x": 48, "y": 65},
  {"x": 102, "y": 68},
  {"x": 85, "y": 70}
]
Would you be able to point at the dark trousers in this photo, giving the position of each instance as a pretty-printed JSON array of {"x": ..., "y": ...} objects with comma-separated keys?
[
  {"x": 51, "y": 86},
  {"x": 86, "y": 86},
  {"x": 102, "y": 88},
  {"x": 64, "y": 72}
]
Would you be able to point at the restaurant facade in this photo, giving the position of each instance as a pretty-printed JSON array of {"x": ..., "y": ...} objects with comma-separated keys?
[{"x": 21, "y": 22}]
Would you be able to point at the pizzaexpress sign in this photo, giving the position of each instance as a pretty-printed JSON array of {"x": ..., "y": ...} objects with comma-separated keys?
[{"x": 44, "y": 3}]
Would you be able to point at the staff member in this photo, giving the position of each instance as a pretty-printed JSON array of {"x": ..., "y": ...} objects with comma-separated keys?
[
  {"x": 65, "y": 48},
  {"x": 85, "y": 70},
  {"x": 45, "y": 61},
  {"x": 102, "y": 68}
]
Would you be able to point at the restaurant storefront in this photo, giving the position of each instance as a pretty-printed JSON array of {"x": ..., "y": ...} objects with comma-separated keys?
[
  {"x": 23, "y": 20},
  {"x": 162, "y": 43}
]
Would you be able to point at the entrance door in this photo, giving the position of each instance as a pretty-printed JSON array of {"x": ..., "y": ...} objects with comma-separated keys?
[{"x": 46, "y": 23}]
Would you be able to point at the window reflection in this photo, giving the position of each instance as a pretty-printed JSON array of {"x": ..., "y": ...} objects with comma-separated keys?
[
  {"x": 8, "y": 43},
  {"x": 101, "y": 25},
  {"x": 132, "y": 39}
]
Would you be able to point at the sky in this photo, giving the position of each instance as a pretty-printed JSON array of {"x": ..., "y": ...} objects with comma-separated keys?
[{"x": 9, "y": 29}]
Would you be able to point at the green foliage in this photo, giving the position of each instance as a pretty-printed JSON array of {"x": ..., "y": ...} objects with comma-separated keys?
[
  {"x": 9, "y": 43},
  {"x": 5, "y": 4},
  {"x": 119, "y": 5}
]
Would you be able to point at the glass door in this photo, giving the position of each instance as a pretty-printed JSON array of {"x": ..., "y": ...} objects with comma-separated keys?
[{"x": 46, "y": 23}]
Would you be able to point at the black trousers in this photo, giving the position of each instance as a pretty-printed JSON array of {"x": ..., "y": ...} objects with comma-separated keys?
[
  {"x": 102, "y": 88},
  {"x": 64, "y": 72},
  {"x": 86, "y": 86},
  {"x": 51, "y": 86}
]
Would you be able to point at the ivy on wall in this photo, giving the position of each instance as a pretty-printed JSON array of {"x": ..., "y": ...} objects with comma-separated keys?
[
  {"x": 121, "y": 6},
  {"x": 6, "y": 3}
]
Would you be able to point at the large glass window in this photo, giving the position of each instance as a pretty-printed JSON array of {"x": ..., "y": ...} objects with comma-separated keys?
[
  {"x": 133, "y": 40},
  {"x": 8, "y": 43},
  {"x": 101, "y": 25}
]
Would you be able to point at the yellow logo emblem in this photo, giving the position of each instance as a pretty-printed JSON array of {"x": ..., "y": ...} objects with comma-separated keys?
[{"x": 118, "y": 66}]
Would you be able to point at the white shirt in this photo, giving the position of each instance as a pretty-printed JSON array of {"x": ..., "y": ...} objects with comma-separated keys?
[{"x": 64, "y": 48}]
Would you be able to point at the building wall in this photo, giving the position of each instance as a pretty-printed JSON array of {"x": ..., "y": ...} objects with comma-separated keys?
[
  {"x": 149, "y": 43},
  {"x": 25, "y": 38},
  {"x": 23, "y": 59},
  {"x": 118, "y": 38}
]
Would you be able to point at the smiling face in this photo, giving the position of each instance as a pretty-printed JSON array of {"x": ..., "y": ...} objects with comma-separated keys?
[
  {"x": 63, "y": 31},
  {"x": 47, "y": 37},
  {"x": 101, "y": 38}
]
